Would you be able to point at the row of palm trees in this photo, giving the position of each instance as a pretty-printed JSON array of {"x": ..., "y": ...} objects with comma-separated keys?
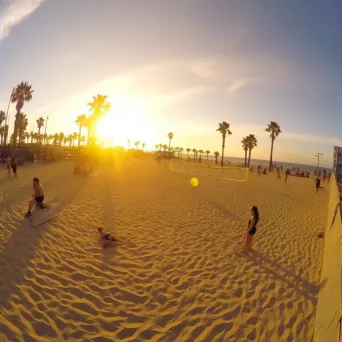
[
  {"x": 248, "y": 143},
  {"x": 98, "y": 108},
  {"x": 23, "y": 93}
]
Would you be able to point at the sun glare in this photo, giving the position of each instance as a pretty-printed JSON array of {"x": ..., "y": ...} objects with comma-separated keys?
[{"x": 126, "y": 121}]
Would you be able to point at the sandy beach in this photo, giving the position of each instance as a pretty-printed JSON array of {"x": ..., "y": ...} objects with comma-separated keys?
[{"x": 179, "y": 277}]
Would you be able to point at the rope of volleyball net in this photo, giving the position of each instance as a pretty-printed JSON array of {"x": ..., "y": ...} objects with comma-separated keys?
[{"x": 209, "y": 168}]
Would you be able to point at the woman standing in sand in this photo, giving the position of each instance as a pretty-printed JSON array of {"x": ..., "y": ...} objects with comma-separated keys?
[{"x": 252, "y": 227}]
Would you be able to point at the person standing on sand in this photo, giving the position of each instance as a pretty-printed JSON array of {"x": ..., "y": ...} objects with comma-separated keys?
[
  {"x": 8, "y": 162},
  {"x": 252, "y": 227},
  {"x": 278, "y": 173},
  {"x": 286, "y": 174},
  {"x": 318, "y": 183},
  {"x": 15, "y": 166}
]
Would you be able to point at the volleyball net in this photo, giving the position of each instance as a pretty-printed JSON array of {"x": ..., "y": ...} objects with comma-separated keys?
[{"x": 233, "y": 173}]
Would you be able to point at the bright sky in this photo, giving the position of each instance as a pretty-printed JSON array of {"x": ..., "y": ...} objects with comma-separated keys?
[{"x": 182, "y": 66}]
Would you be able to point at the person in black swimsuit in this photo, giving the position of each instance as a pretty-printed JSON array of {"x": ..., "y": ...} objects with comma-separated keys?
[{"x": 252, "y": 227}]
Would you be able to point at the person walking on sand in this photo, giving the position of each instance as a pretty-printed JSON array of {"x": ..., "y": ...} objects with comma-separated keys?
[
  {"x": 15, "y": 166},
  {"x": 37, "y": 197},
  {"x": 9, "y": 166},
  {"x": 252, "y": 227}
]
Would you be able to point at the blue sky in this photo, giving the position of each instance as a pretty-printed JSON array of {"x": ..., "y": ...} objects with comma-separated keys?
[{"x": 182, "y": 66}]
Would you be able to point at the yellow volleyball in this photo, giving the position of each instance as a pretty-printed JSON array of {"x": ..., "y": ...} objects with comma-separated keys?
[{"x": 194, "y": 181}]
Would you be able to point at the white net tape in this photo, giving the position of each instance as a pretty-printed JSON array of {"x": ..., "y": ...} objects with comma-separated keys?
[{"x": 233, "y": 173}]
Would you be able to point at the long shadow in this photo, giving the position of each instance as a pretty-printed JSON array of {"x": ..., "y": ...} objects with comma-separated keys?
[
  {"x": 307, "y": 289},
  {"x": 223, "y": 210},
  {"x": 20, "y": 248}
]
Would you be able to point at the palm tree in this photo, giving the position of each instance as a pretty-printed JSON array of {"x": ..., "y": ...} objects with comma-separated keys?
[
  {"x": 252, "y": 142},
  {"x": 99, "y": 107},
  {"x": 81, "y": 121},
  {"x": 207, "y": 153},
  {"x": 2, "y": 133},
  {"x": 164, "y": 147},
  {"x": 55, "y": 139},
  {"x": 274, "y": 129},
  {"x": 160, "y": 146},
  {"x": 181, "y": 149},
  {"x": 35, "y": 136},
  {"x": 244, "y": 143},
  {"x": 50, "y": 138},
  {"x": 224, "y": 130},
  {"x": 188, "y": 151},
  {"x": 40, "y": 124},
  {"x": 170, "y": 136},
  {"x": 128, "y": 143},
  {"x": 156, "y": 146},
  {"x": 83, "y": 139},
  {"x": 195, "y": 152},
  {"x": 137, "y": 143},
  {"x": 69, "y": 139},
  {"x": 2, "y": 116},
  {"x": 22, "y": 122},
  {"x": 65, "y": 140},
  {"x": 200, "y": 152},
  {"x": 143, "y": 146},
  {"x": 60, "y": 138},
  {"x": 21, "y": 94},
  {"x": 31, "y": 136},
  {"x": 27, "y": 137},
  {"x": 217, "y": 153},
  {"x": 74, "y": 137}
]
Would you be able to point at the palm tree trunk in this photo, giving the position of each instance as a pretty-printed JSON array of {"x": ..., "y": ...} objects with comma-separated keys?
[
  {"x": 223, "y": 144},
  {"x": 15, "y": 132},
  {"x": 271, "y": 156},
  {"x": 169, "y": 144},
  {"x": 79, "y": 136},
  {"x": 245, "y": 158},
  {"x": 249, "y": 157}
]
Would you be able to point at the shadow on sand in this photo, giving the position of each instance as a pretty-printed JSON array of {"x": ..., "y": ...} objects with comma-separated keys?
[
  {"x": 307, "y": 289},
  {"x": 21, "y": 247}
]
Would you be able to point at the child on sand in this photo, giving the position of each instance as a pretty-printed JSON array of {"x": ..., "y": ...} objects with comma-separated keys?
[
  {"x": 107, "y": 238},
  {"x": 318, "y": 183},
  {"x": 252, "y": 227}
]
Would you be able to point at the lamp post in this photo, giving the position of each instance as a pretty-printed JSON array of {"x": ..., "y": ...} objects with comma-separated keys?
[{"x": 318, "y": 155}]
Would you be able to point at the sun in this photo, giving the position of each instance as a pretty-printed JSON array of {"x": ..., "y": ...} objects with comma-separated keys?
[{"x": 127, "y": 120}]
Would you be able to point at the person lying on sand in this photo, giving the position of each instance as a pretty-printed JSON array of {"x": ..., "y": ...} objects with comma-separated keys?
[
  {"x": 252, "y": 227},
  {"x": 107, "y": 238},
  {"x": 37, "y": 197}
]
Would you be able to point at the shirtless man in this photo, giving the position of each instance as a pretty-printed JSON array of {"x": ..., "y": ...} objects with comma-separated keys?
[{"x": 37, "y": 197}]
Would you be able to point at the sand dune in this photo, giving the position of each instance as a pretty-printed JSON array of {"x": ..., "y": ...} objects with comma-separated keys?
[{"x": 179, "y": 277}]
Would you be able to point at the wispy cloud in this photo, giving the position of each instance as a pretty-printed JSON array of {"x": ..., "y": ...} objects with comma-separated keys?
[{"x": 13, "y": 12}]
